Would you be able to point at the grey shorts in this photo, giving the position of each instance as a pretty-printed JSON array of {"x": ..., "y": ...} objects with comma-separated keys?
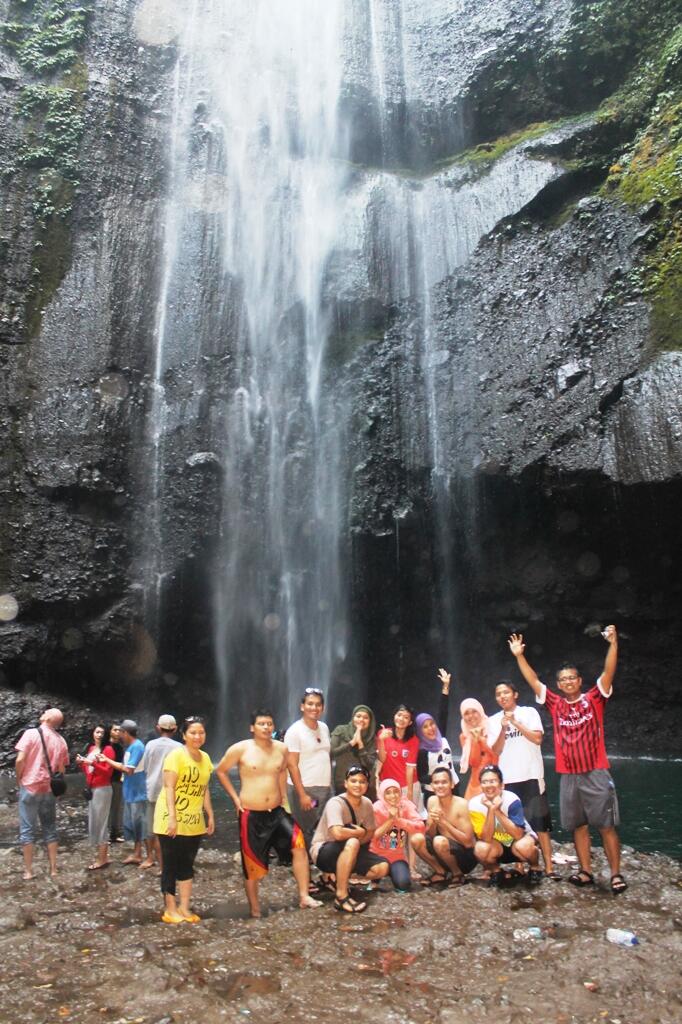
[
  {"x": 151, "y": 807},
  {"x": 307, "y": 820},
  {"x": 465, "y": 857},
  {"x": 588, "y": 798}
]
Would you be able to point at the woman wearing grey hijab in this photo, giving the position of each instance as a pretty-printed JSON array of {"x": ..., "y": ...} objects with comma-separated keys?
[{"x": 353, "y": 743}]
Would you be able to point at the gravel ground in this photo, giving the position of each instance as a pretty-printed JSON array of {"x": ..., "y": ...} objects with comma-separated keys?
[{"x": 90, "y": 946}]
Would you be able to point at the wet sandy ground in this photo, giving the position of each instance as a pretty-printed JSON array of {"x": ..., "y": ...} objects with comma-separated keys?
[{"x": 91, "y": 947}]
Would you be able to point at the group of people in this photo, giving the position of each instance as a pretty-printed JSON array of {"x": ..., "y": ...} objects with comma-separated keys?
[{"x": 357, "y": 804}]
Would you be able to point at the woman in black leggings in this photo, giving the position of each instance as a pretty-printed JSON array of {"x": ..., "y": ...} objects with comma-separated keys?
[{"x": 183, "y": 814}]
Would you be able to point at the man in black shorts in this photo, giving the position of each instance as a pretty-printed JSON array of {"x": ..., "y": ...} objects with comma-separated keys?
[
  {"x": 515, "y": 735},
  {"x": 264, "y": 824},
  {"x": 341, "y": 841},
  {"x": 448, "y": 846}
]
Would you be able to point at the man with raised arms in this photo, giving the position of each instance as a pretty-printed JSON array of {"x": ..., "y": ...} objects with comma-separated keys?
[
  {"x": 264, "y": 824},
  {"x": 587, "y": 793},
  {"x": 448, "y": 846}
]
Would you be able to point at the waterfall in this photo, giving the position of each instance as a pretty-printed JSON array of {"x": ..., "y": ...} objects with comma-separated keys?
[{"x": 274, "y": 244}]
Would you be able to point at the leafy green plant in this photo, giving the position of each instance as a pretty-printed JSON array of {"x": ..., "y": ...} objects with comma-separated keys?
[{"x": 47, "y": 38}]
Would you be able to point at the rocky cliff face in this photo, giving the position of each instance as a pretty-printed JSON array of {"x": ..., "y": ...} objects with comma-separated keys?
[{"x": 513, "y": 437}]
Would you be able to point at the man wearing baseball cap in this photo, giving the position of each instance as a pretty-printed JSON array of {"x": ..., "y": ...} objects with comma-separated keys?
[{"x": 155, "y": 754}]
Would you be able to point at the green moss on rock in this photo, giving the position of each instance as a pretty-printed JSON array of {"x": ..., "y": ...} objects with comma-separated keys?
[
  {"x": 486, "y": 153},
  {"x": 652, "y": 174},
  {"x": 47, "y": 37},
  {"x": 49, "y": 34}
]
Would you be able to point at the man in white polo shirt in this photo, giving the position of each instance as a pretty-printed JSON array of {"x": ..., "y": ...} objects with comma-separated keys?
[{"x": 309, "y": 763}]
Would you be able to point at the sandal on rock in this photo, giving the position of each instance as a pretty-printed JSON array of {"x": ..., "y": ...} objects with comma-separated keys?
[
  {"x": 581, "y": 879},
  {"x": 502, "y": 880},
  {"x": 437, "y": 878},
  {"x": 348, "y": 905},
  {"x": 618, "y": 884},
  {"x": 169, "y": 918},
  {"x": 554, "y": 875},
  {"x": 535, "y": 876}
]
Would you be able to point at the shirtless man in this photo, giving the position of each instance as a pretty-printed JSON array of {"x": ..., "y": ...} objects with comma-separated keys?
[
  {"x": 264, "y": 824},
  {"x": 448, "y": 845}
]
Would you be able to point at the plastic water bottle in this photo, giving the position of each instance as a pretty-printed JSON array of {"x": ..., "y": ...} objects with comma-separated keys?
[{"x": 620, "y": 937}]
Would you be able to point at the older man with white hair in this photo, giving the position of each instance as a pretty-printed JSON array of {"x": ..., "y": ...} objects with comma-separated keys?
[{"x": 36, "y": 801}]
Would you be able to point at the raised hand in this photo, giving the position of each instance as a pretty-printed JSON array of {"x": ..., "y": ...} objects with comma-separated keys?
[
  {"x": 610, "y": 634},
  {"x": 445, "y": 678},
  {"x": 516, "y": 644}
]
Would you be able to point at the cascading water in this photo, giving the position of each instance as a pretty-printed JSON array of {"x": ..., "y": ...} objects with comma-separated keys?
[
  {"x": 275, "y": 84},
  {"x": 270, "y": 233}
]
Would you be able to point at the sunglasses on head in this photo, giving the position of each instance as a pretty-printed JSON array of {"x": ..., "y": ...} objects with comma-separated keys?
[
  {"x": 313, "y": 689},
  {"x": 356, "y": 769}
]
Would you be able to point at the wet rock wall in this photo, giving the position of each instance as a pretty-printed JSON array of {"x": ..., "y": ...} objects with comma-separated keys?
[{"x": 559, "y": 412}]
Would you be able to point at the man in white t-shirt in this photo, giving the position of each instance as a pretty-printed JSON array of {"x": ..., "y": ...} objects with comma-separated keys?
[
  {"x": 309, "y": 763},
  {"x": 155, "y": 753},
  {"x": 515, "y": 734}
]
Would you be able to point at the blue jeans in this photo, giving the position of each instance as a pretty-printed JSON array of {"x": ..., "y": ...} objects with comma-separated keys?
[
  {"x": 32, "y": 808},
  {"x": 400, "y": 875},
  {"x": 135, "y": 821}
]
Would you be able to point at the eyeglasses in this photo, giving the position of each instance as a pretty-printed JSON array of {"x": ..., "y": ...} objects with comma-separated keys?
[
  {"x": 356, "y": 769},
  {"x": 313, "y": 689},
  {"x": 195, "y": 719}
]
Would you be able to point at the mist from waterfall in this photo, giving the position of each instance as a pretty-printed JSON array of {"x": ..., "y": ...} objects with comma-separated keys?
[{"x": 270, "y": 233}]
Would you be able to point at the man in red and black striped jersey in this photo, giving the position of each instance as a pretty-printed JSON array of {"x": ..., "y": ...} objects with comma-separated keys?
[{"x": 587, "y": 793}]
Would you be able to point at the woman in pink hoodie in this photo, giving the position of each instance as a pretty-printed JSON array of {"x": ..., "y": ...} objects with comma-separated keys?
[{"x": 396, "y": 819}]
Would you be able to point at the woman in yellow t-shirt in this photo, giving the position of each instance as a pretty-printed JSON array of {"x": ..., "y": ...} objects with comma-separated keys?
[{"x": 183, "y": 814}]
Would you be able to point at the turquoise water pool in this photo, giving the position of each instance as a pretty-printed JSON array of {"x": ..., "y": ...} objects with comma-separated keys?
[{"x": 650, "y": 797}]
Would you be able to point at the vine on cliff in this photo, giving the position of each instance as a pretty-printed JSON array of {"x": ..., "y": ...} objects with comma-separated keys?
[{"x": 47, "y": 37}]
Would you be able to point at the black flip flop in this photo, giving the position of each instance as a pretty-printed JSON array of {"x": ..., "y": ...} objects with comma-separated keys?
[
  {"x": 618, "y": 884},
  {"x": 437, "y": 878},
  {"x": 581, "y": 879},
  {"x": 349, "y": 906}
]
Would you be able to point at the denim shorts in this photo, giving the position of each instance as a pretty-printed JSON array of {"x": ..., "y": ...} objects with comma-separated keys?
[
  {"x": 135, "y": 821},
  {"x": 34, "y": 807}
]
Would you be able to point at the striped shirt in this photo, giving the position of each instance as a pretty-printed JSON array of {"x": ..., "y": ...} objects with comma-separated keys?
[{"x": 578, "y": 730}]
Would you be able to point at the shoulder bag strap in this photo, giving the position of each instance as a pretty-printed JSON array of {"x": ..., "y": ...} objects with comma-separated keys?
[
  {"x": 47, "y": 760},
  {"x": 352, "y": 812}
]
